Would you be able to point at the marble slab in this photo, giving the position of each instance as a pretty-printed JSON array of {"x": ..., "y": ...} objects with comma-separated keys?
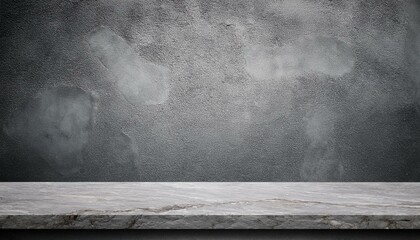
[{"x": 200, "y": 205}]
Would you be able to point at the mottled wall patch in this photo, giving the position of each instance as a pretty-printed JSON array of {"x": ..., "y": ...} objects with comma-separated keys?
[
  {"x": 126, "y": 150},
  {"x": 56, "y": 125},
  {"x": 139, "y": 80},
  {"x": 320, "y": 161},
  {"x": 323, "y": 55}
]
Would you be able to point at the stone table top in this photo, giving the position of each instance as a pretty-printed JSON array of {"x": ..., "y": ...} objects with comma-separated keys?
[{"x": 148, "y": 205}]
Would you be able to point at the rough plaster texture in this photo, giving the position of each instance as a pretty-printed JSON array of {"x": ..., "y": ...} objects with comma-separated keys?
[{"x": 244, "y": 90}]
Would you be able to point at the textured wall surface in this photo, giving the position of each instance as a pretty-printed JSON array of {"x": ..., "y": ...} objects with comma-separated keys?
[{"x": 290, "y": 90}]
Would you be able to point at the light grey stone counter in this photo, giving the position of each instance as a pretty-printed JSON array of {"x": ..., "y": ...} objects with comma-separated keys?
[{"x": 209, "y": 205}]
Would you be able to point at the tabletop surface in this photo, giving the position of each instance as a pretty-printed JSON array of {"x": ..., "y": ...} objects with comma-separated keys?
[{"x": 209, "y": 205}]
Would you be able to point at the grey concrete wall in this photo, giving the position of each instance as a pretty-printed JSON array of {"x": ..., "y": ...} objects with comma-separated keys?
[{"x": 191, "y": 90}]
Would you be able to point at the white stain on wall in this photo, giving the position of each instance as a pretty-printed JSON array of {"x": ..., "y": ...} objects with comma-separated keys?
[
  {"x": 322, "y": 55},
  {"x": 126, "y": 150},
  {"x": 55, "y": 125},
  {"x": 320, "y": 162},
  {"x": 139, "y": 80}
]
